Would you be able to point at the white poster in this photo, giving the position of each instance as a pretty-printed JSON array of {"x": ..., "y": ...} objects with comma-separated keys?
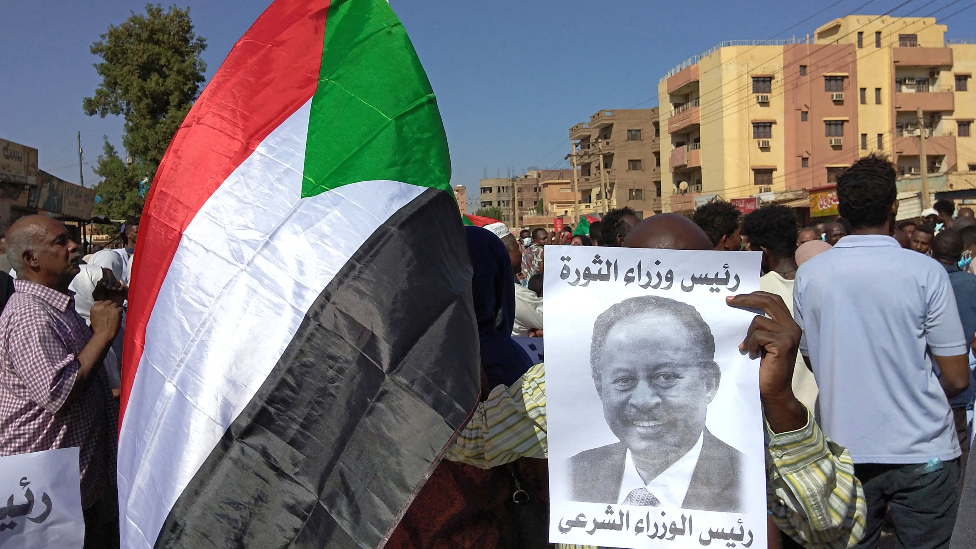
[
  {"x": 655, "y": 425},
  {"x": 42, "y": 507}
]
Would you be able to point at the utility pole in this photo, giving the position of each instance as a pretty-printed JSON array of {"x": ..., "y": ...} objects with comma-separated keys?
[
  {"x": 515, "y": 219},
  {"x": 81, "y": 171},
  {"x": 572, "y": 155},
  {"x": 603, "y": 184},
  {"x": 923, "y": 159}
]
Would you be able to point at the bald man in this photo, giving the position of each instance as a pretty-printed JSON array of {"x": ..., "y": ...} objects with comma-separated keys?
[{"x": 53, "y": 393}]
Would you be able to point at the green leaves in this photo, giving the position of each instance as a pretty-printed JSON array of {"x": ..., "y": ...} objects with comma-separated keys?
[
  {"x": 119, "y": 187},
  {"x": 151, "y": 73},
  {"x": 493, "y": 212}
]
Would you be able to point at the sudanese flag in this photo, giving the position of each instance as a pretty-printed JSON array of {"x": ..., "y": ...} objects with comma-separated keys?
[{"x": 301, "y": 344}]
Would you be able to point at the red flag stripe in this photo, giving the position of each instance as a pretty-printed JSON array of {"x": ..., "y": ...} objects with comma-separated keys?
[{"x": 271, "y": 72}]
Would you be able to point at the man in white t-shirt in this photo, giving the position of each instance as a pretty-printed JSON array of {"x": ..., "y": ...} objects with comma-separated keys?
[
  {"x": 772, "y": 230},
  {"x": 119, "y": 261}
]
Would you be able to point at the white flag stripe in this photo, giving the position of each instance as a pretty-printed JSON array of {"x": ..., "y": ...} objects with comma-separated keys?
[{"x": 249, "y": 266}]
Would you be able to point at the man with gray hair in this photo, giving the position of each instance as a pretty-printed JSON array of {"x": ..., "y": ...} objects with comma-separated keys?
[{"x": 53, "y": 392}]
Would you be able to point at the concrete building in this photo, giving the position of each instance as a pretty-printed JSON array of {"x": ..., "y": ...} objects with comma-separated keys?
[
  {"x": 629, "y": 142},
  {"x": 523, "y": 200},
  {"x": 777, "y": 121},
  {"x": 461, "y": 195}
]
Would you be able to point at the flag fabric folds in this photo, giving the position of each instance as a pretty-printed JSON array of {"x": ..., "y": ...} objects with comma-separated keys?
[
  {"x": 477, "y": 220},
  {"x": 301, "y": 344},
  {"x": 583, "y": 227}
]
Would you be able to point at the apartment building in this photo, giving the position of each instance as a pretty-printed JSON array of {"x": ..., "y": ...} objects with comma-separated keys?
[
  {"x": 535, "y": 194},
  {"x": 628, "y": 143},
  {"x": 461, "y": 196},
  {"x": 778, "y": 121}
]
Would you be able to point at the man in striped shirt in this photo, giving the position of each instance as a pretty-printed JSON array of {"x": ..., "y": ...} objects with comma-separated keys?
[{"x": 811, "y": 492}]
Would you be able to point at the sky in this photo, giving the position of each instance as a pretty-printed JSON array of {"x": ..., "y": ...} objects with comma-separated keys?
[{"x": 511, "y": 76}]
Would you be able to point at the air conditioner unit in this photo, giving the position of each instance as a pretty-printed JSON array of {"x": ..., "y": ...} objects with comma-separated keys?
[
  {"x": 837, "y": 96},
  {"x": 765, "y": 189},
  {"x": 836, "y": 141},
  {"x": 763, "y": 143},
  {"x": 762, "y": 98}
]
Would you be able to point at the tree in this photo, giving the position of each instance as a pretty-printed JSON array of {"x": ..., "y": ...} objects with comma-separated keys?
[
  {"x": 151, "y": 74},
  {"x": 539, "y": 207},
  {"x": 119, "y": 193},
  {"x": 493, "y": 212}
]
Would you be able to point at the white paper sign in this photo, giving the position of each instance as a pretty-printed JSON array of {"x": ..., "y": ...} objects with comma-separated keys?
[
  {"x": 40, "y": 500},
  {"x": 655, "y": 426}
]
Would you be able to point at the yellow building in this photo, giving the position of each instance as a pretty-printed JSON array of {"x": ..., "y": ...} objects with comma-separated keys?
[{"x": 766, "y": 121}]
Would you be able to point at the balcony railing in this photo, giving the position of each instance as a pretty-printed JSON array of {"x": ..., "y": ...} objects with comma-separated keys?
[
  {"x": 696, "y": 58},
  {"x": 693, "y": 146},
  {"x": 682, "y": 108},
  {"x": 908, "y": 44}
]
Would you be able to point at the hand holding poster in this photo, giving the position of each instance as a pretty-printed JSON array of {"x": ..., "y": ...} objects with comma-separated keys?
[
  {"x": 43, "y": 500},
  {"x": 655, "y": 425}
]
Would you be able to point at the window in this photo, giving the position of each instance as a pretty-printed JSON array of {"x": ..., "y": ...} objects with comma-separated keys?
[
  {"x": 657, "y": 130},
  {"x": 834, "y": 83},
  {"x": 972, "y": 167},
  {"x": 877, "y": 96},
  {"x": 860, "y": 40},
  {"x": 501, "y": 189},
  {"x": 907, "y": 40},
  {"x": 485, "y": 190},
  {"x": 762, "y": 130},
  {"x": 864, "y": 96},
  {"x": 635, "y": 194},
  {"x": 803, "y": 116},
  {"x": 520, "y": 204},
  {"x": 803, "y": 70},
  {"x": 962, "y": 82},
  {"x": 877, "y": 39},
  {"x": 657, "y": 160},
  {"x": 964, "y": 128},
  {"x": 487, "y": 203},
  {"x": 804, "y": 162},
  {"x": 635, "y": 165},
  {"x": 880, "y": 141},
  {"x": 834, "y": 128},
  {"x": 657, "y": 189},
  {"x": 833, "y": 173},
  {"x": 762, "y": 177},
  {"x": 762, "y": 84},
  {"x": 633, "y": 135},
  {"x": 864, "y": 141}
]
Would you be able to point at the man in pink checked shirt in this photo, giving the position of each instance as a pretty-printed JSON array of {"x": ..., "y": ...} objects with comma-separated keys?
[{"x": 53, "y": 392}]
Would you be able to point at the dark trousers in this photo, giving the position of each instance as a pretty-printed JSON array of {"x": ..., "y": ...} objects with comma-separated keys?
[
  {"x": 102, "y": 525},
  {"x": 922, "y": 504}
]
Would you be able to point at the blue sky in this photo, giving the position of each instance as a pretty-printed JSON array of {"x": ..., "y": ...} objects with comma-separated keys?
[{"x": 511, "y": 76}]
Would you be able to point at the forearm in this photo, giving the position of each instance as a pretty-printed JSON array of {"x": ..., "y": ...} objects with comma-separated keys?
[
  {"x": 88, "y": 360},
  {"x": 784, "y": 413}
]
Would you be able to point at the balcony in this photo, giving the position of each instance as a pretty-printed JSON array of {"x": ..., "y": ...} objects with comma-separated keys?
[
  {"x": 909, "y": 56},
  {"x": 927, "y": 101},
  {"x": 601, "y": 119},
  {"x": 935, "y": 145},
  {"x": 678, "y": 158},
  {"x": 684, "y": 116},
  {"x": 682, "y": 78},
  {"x": 681, "y": 202},
  {"x": 694, "y": 155},
  {"x": 579, "y": 131}
]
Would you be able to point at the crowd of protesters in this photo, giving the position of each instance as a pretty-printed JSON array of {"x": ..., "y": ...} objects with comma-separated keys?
[{"x": 866, "y": 347}]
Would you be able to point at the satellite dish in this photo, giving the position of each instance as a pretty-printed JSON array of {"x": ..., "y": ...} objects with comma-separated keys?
[{"x": 683, "y": 186}]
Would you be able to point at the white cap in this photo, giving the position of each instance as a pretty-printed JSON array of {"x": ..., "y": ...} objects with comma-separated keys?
[
  {"x": 929, "y": 211},
  {"x": 500, "y": 230}
]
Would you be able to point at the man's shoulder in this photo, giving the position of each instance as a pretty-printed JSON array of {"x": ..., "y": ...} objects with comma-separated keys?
[
  {"x": 716, "y": 448},
  {"x": 599, "y": 455}
]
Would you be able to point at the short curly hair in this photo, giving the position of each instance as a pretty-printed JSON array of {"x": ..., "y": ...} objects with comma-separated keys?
[
  {"x": 945, "y": 206},
  {"x": 866, "y": 191},
  {"x": 613, "y": 225},
  {"x": 773, "y": 228},
  {"x": 684, "y": 314},
  {"x": 717, "y": 219}
]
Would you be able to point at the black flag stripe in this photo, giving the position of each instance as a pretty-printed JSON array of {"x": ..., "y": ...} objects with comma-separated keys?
[{"x": 381, "y": 373}]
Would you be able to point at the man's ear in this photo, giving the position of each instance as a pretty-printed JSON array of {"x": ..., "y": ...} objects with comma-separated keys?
[
  {"x": 29, "y": 258},
  {"x": 723, "y": 243},
  {"x": 713, "y": 377}
]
